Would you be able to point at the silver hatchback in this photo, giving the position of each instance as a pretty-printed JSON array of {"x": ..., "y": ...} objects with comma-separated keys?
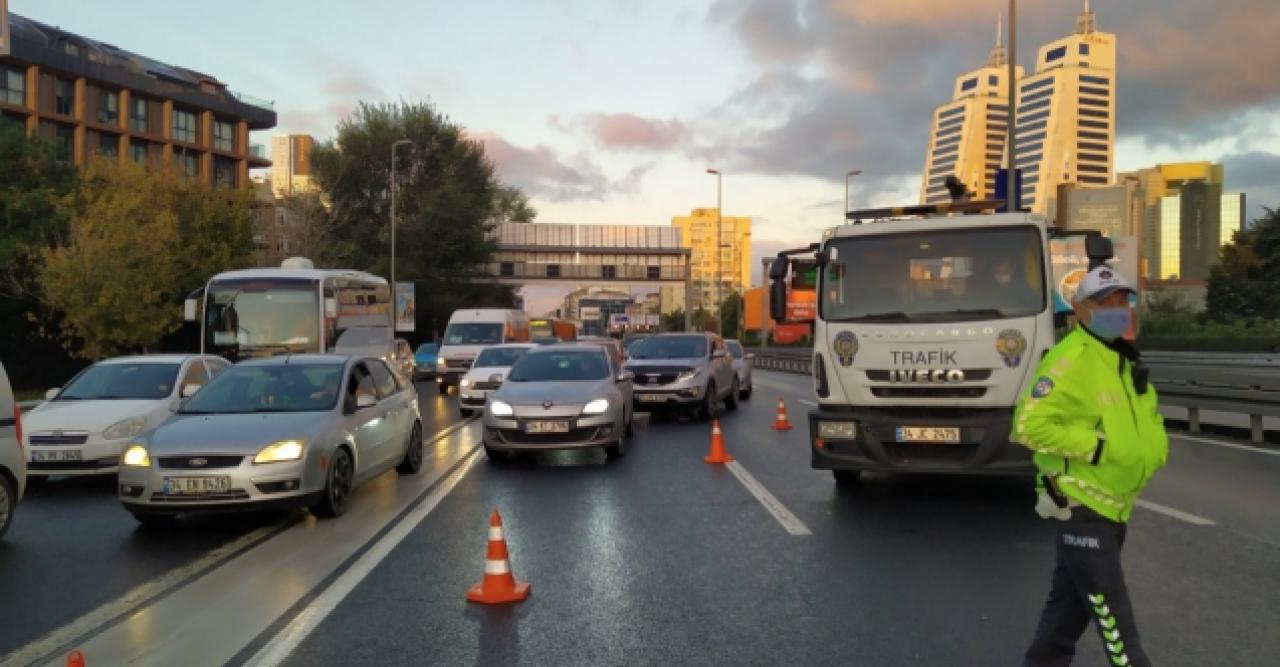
[{"x": 302, "y": 430}]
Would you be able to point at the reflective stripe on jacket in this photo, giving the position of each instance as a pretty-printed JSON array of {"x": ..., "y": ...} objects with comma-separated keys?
[{"x": 1090, "y": 429}]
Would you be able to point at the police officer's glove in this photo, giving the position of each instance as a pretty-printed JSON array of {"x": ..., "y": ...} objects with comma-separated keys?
[{"x": 1048, "y": 509}]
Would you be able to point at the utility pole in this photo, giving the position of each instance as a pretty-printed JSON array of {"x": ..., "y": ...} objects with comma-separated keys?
[
  {"x": 719, "y": 254},
  {"x": 1014, "y": 203}
]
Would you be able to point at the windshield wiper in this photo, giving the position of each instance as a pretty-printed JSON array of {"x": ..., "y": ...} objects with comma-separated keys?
[
  {"x": 274, "y": 348},
  {"x": 965, "y": 312},
  {"x": 896, "y": 316}
]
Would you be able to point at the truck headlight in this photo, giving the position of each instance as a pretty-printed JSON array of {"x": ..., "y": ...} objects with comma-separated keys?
[
  {"x": 500, "y": 409},
  {"x": 136, "y": 456},
  {"x": 596, "y": 407},
  {"x": 276, "y": 452},
  {"x": 837, "y": 430},
  {"x": 464, "y": 383},
  {"x": 125, "y": 428}
]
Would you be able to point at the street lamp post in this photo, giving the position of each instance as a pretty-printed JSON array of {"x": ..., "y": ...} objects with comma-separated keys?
[
  {"x": 1013, "y": 204},
  {"x": 394, "y": 146},
  {"x": 848, "y": 175},
  {"x": 719, "y": 254}
]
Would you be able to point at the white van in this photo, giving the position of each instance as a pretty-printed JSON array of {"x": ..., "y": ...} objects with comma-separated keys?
[
  {"x": 472, "y": 330},
  {"x": 13, "y": 465}
]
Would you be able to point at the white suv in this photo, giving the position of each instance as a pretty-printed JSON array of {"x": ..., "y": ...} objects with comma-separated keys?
[{"x": 13, "y": 465}]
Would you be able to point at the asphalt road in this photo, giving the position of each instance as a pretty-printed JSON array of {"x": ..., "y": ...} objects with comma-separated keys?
[{"x": 659, "y": 558}]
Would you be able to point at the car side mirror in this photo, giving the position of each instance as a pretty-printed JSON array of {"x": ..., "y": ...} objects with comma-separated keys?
[
  {"x": 626, "y": 376},
  {"x": 365, "y": 401},
  {"x": 51, "y": 394},
  {"x": 188, "y": 390}
]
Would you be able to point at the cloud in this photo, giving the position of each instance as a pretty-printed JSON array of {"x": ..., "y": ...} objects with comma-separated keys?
[
  {"x": 541, "y": 172},
  {"x": 771, "y": 29},
  {"x": 344, "y": 93},
  {"x": 625, "y": 131},
  {"x": 1252, "y": 170}
]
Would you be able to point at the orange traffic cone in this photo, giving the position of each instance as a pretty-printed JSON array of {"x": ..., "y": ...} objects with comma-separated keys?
[
  {"x": 717, "y": 453},
  {"x": 499, "y": 584},
  {"x": 782, "y": 423},
  {"x": 75, "y": 659}
]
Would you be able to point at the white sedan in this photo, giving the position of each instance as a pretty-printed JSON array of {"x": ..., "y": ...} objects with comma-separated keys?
[
  {"x": 479, "y": 382},
  {"x": 82, "y": 428}
]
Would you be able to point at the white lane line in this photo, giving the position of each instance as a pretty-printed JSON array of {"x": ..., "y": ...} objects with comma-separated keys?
[
  {"x": 131, "y": 600},
  {"x": 1230, "y": 445},
  {"x": 283, "y": 644},
  {"x": 1175, "y": 513},
  {"x": 808, "y": 403},
  {"x": 790, "y": 522}
]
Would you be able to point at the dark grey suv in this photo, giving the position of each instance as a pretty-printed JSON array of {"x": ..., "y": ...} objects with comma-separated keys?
[{"x": 689, "y": 372}]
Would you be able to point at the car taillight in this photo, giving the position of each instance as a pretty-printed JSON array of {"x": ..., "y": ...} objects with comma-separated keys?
[{"x": 17, "y": 423}]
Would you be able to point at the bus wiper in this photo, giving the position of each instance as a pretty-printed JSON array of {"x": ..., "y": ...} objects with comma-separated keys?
[
  {"x": 966, "y": 312},
  {"x": 896, "y": 316},
  {"x": 273, "y": 348}
]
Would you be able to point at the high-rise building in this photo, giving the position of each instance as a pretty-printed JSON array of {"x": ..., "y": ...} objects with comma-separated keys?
[
  {"x": 968, "y": 135},
  {"x": 291, "y": 164},
  {"x": 1188, "y": 219},
  {"x": 1232, "y": 216},
  {"x": 1065, "y": 127},
  {"x": 95, "y": 100},
  {"x": 731, "y": 270}
]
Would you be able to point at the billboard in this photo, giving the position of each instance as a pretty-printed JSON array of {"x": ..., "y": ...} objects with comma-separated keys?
[
  {"x": 786, "y": 334},
  {"x": 619, "y": 320},
  {"x": 1071, "y": 263},
  {"x": 802, "y": 305},
  {"x": 406, "y": 307},
  {"x": 589, "y": 313}
]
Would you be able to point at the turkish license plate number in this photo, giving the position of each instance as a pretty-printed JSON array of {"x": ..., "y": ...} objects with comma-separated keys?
[
  {"x": 194, "y": 486},
  {"x": 546, "y": 427},
  {"x": 654, "y": 398},
  {"x": 55, "y": 456},
  {"x": 937, "y": 434}
]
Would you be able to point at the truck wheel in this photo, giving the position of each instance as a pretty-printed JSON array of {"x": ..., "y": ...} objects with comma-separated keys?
[{"x": 847, "y": 479}]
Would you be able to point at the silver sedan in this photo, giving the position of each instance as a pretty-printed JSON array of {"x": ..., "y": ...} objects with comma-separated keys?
[
  {"x": 560, "y": 397},
  {"x": 303, "y": 430}
]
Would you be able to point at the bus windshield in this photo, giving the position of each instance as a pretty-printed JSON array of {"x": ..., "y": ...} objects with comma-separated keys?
[
  {"x": 257, "y": 316},
  {"x": 935, "y": 276}
]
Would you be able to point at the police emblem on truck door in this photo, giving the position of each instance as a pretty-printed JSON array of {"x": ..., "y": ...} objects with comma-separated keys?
[
  {"x": 1011, "y": 345},
  {"x": 846, "y": 347}
]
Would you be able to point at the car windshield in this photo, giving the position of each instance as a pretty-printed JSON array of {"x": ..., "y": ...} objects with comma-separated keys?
[
  {"x": 935, "y": 276},
  {"x": 560, "y": 365},
  {"x": 499, "y": 357},
  {"x": 293, "y": 387},
  {"x": 426, "y": 349},
  {"x": 670, "y": 347},
  {"x": 142, "y": 380},
  {"x": 735, "y": 348},
  {"x": 473, "y": 333}
]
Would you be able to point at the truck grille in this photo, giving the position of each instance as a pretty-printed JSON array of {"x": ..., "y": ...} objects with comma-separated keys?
[
  {"x": 974, "y": 374},
  {"x": 905, "y": 391},
  {"x": 458, "y": 364},
  {"x": 485, "y": 386}
]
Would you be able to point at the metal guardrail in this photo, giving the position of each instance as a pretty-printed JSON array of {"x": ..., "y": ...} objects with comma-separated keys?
[{"x": 1236, "y": 383}]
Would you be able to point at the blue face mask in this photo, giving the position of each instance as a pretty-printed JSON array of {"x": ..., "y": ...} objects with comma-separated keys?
[{"x": 1110, "y": 323}]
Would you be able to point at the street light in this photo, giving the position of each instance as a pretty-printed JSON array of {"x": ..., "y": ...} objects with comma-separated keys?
[
  {"x": 402, "y": 142},
  {"x": 850, "y": 174},
  {"x": 719, "y": 253}
]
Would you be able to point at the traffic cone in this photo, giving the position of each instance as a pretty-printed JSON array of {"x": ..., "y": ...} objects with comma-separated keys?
[
  {"x": 75, "y": 659},
  {"x": 717, "y": 453},
  {"x": 499, "y": 584},
  {"x": 782, "y": 423}
]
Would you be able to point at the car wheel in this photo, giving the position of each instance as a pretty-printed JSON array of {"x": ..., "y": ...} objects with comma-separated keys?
[
  {"x": 617, "y": 449},
  {"x": 731, "y": 399},
  {"x": 153, "y": 520},
  {"x": 847, "y": 479},
  {"x": 746, "y": 393},
  {"x": 708, "y": 408},
  {"x": 8, "y": 503},
  {"x": 412, "y": 461},
  {"x": 444, "y": 388},
  {"x": 337, "y": 486},
  {"x": 630, "y": 429}
]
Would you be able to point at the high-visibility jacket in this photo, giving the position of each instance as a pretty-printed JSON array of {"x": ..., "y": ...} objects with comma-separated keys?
[{"x": 1091, "y": 431}]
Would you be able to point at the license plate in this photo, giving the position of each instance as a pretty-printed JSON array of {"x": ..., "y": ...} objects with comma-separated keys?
[
  {"x": 194, "y": 486},
  {"x": 948, "y": 435},
  {"x": 55, "y": 456},
  {"x": 653, "y": 398},
  {"x": 546, "y": 427}
]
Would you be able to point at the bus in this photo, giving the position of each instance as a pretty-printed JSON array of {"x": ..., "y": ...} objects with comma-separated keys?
[
  {"x": 544, "y": 328},
  {"x": 293, "y": 309}
]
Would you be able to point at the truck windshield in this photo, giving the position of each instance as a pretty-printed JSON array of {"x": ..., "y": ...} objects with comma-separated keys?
[
  {"x": 936, "y": 276},
  {"x": 248, "y": 317},
  {"x": 473, "y": 333}
]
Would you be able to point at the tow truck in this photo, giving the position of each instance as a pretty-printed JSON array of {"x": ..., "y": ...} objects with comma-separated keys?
[{"x": 931, "y": 320}]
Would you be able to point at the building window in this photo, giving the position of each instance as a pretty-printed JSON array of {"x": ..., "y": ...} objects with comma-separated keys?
[
  {"x": 609, "y": 272},
  {"x": 969, "y": 84},
  {"x": 108, "y": 145},
  {"x": 506, "y": 269},
  {"x": 1055, "y": 54},
  {"x": 109, "y": 107},
  {"x": 1101, "y": 81},
  {"x": 224, "y": 172},
  {"x": 1038, "y": 104},
  {"x": 1038, "y": 84},
  {"x": 1090, "y": 90},
  {"x": 1091, "y": 147},
  {"x": 187, "y": 162},
  {"x": 1092, "y": 157},
  {"x": 1094, "y": 168},
  {"x": 138, "y": 114},
  {"x": 184, "y": 126},
  {"x": 1089, "y": 101},
  {"x": 224, "y": 135},
  {"x": 1093, "y": 135},
  {"x": 1030, "y": 127},
  {"x": 1095, "y": 180},
  {"x": 64, "y": 137},
  {"x": 13, "y": 86},
  {"x": 553, "y": 270},
  {"x": 1034, "y": 116},
  {"x": 993, "y": 79},
  {"x": 653, "y": 272},
  {"x": 64, "y": 94},
  {"x": 1084, "y": 49},
  {"x": 138, "y": 151},
  {"x": 1096, "y": 124},
  {"x": 1096, "y": 113}
]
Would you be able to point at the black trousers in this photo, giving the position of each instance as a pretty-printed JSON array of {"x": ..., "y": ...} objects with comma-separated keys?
[{"x": 1088, "y": 585}]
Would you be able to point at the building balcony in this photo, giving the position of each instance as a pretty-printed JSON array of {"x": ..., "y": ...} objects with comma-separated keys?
[{"x": 253, "y": 101}]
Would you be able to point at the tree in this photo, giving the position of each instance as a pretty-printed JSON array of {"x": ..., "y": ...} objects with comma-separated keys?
[
  {"x": 730, "y": 313},
  {"x": 512, "y": 205},
  {"x": 703, "y": 320},
  {"x": 138, "y": 241},
  {"x": 307, "y": 225},
  {"x": 1244, "y": 283},
  {"x": 673, "y": 321}
]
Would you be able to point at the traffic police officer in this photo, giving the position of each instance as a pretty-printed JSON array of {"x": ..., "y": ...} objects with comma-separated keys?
[{"x": 1092, "y": 420}]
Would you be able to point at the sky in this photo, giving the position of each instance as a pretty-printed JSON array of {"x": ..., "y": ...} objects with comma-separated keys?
[{"x": 609, "y": 111}]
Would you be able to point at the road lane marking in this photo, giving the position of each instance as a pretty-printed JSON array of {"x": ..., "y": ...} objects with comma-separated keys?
[
  {"x": 283, "y": 644},
  {"x": 790, "y": 522},
  {"x": 1175, "y": 513},
  {"x": 140, "y": 595},
  {"x": 811, "y": 404},
  {"x": 1230, "y": 445}
]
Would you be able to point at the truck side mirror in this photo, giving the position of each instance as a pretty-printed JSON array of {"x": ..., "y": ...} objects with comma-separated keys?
[{"x": 778, "y": 288}]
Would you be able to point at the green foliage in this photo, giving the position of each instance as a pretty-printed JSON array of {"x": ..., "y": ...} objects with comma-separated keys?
[
  {"x": 1244, "y": 284},
  {"x": 730, "y": 313},
  {"x": 673, "y": 321}
]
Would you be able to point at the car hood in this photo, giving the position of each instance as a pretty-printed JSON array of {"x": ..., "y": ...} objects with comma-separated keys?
[
  {"x": 233, "y": 434},
  {"x": 481, "y": 374},
  {"x": 91, "y": 416},
  {"x": 641, "y": 364},
  {"x": 565, "y": 397}
]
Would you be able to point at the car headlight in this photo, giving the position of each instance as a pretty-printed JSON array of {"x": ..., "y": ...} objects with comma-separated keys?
[
  {"x": 689, "y": 375},
  {"x": 136, "y": 455},
  {"x": 500, "y": 409},
  {"x": 596, "y": 407},
  {"x": 125, "y": 428},
  {"x": 464, "y": 383},
  {"x": 285, "y": 450},
  {"x": 837, "y": 430},
  {"x": 440, "y": 363}
]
